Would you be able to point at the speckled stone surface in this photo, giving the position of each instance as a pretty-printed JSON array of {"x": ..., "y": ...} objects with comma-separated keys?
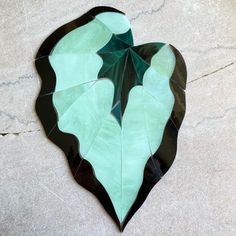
[{"x": 38, "y": 195}]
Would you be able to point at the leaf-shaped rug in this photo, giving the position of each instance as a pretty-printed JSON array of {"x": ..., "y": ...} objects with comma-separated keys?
[{"x": 114, "y": 108}]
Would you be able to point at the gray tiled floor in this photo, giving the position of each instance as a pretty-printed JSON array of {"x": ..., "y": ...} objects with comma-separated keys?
[{"x": 197, "y": 196}]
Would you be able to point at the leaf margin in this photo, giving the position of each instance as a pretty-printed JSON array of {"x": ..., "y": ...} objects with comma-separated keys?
[{"x": 81, "y": 169}]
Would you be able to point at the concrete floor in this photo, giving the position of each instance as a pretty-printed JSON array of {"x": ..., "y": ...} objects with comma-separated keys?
[{"x": 38, "y": 195}]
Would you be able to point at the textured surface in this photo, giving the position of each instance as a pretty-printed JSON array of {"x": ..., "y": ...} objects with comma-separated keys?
[{"x": 196, "y": 196}]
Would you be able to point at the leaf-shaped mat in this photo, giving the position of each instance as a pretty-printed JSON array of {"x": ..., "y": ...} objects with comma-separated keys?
[{"x": 113, "y": 108}]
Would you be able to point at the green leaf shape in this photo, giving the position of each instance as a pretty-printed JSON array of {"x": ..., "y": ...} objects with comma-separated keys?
[{"x": 85, "y": 100}]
